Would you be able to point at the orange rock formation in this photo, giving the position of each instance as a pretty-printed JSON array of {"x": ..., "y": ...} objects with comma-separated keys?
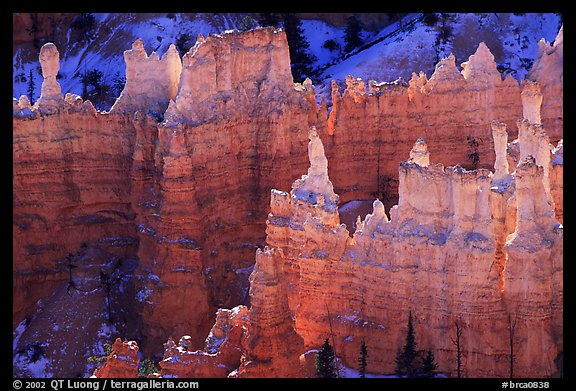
[
  {"x": 271, "y": 345},
  {"x": 221, "y": 354},
  {"x": 147, "y": 184},
  {"x": 439, "y": 256},
  {"x": 122, "y": 362}
]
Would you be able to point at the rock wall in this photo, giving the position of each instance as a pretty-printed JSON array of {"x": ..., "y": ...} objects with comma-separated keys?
[
  {"x": 441, "y": 256},
  {"x": 232, "y": 133},
  {"x": 71, "y": 187},
  {"x": 366, "y": 133},
  {"x": 548, "y": 72},
  {"x": 122, "y": 362},
  {"x": 222, "y": 350},
  {"x": 185, "y": 191},
  {"x": 271, "y": 345},
  {"x": 151, "y": 82}
]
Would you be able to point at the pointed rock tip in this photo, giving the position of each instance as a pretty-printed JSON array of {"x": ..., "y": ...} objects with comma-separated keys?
[
  {"x": 48, "y": 47},
  {"x": 560, "y": 37},
  {"x": 312, "y": 133},
  {"x": 138, "y": 44},
  {"x": 482, "y": 47},
  {"x": 378, "y": 207}
]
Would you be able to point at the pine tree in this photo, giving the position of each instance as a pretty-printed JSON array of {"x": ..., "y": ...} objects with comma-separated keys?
[
  {"x": 247, "y": 23},
  {"x": 325, "y": 361},
  {"x": 362, "y": 359},
  {"x": 268, "y": 19},
  {"x": 405, "y": 358},
  {"x": 31, "y": 87},
  {"x": 429, "y": 365},
  {"x": 352, "y": 34},
  {"x": 301, "y": 61}
]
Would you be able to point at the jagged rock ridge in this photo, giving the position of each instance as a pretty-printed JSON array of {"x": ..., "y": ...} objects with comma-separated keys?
[{"x": 157, "y": 197}]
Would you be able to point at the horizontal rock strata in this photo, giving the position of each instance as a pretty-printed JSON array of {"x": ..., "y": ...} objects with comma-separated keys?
[{"x": 178, "y": 177}]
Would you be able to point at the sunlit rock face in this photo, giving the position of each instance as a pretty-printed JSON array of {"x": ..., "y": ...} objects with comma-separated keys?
[
  {"x": 186, "y": 197},
  {"x": 151, "y": 81},
  {"x": 173, "y": 191},
  {"x": 233, "y": 132},
  {"x": 447, "y": 253},
  {"x": 122, "y": 362},
  {"x": 548, "y": 72}
]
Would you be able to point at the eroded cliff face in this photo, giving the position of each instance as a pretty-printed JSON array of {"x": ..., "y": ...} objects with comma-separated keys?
[
  {"x": 452, "y": 109},
  {"x": 169, "y": 193},
  {"x": 186, "y": 197},
  {"x": 232, "y": 133},
  {"x": 221, "y": 353},
  {"x": 122, "y": 362},
  {"x": 71, "y": 187},
  {"x": 548, "y": 72},
  {"x": 447, "y": 255}
]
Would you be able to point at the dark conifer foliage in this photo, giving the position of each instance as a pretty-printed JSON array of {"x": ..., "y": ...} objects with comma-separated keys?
[
  {"x": 301, "y": 61},
  {"x": 362, "y": 360},
  {"x": 268, "y": 19},
  {"x": 326, "y": 361},
  {"x": 31, "y": 87},
  {"x": 353, "y": 34},
  {"x": 406, "y": 358},
  {"x": 429, "y": 365}
]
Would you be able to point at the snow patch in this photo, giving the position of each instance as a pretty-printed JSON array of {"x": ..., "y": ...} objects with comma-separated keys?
[{"x": 18, "y": 333}]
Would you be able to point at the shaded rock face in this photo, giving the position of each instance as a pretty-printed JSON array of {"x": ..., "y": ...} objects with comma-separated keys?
[
  {"x": 125, "y": 186},
  {"x": 71, "y": 193}
]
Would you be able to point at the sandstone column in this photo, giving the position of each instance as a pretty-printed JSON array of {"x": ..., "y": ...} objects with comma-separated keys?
[
  {"x": 51, "y": 99},
  {"x": 500, "y": 137}
]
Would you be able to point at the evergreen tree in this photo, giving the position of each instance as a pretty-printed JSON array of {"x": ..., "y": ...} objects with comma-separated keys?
[
  {"x": 325, "y": 361},
  {"x": 405, "y": 358},
  {"x": 183, "y": 43},
  {"x": 301, "y": 61},
  {"x": 118, "y": 83},
  {"x": 430, "y": 19},
  {"x": 147, "y": 367},
  {"x": 247, "y": 23},
  {"x": 362, "y": 359},
  {"x": 31, "y": 87},
  {"x": 352, "y": 34},
  {"x": 429, "y": 365},
  {"x": 268, "y": 19},
  {"x": 84, "y": 23}
]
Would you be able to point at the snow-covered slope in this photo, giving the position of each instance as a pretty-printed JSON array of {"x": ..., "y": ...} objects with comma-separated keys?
[
  {"x": 512, "y": 38},
  {"x": 395, "y": 51},
  {"x": 114, "y": 33}
]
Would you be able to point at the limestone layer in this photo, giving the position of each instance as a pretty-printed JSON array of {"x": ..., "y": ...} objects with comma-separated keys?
[
  {"x": 449, "y": 253},
  {"x": 178, "y": 175},
  {"x": 378, "y": 122}
]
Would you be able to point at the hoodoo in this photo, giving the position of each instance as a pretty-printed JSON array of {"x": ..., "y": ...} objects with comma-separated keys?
[{"x": 204, "y": 206}]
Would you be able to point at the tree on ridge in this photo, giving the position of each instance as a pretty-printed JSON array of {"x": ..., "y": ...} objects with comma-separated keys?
[
  {"x": 406, "y": 358},
  {"x": 326, "y": 361}
]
